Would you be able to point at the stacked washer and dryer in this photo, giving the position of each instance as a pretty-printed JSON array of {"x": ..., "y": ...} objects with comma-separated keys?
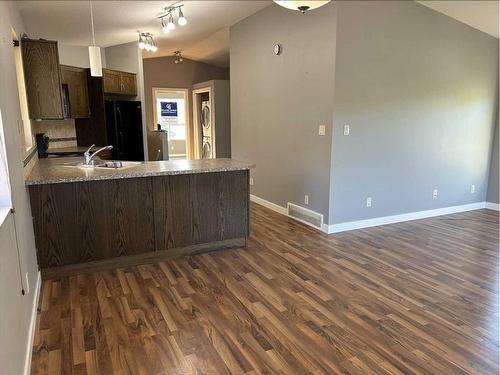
[
  {"x": 211, "y": 115},
  {"x": 206, "y": 129}
]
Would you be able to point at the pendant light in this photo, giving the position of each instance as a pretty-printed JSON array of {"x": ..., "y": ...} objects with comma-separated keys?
[
  {"x": 94, "y": 51},
  {"x": 301, "y": 6}
]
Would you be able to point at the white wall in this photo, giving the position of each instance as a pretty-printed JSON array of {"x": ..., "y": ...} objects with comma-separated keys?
[
  {"x": 15, "y": 309},
  {"x": 128, "y": 58}
]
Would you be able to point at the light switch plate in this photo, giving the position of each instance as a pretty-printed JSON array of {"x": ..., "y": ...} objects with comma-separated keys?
[
  {"x": 322, "y": 130},
  {"x": 251, "y": 181},
  {"x": 368, "y": 201},
  {"x": 434, "y": 193},
  {"x": 347, "y": 130}
]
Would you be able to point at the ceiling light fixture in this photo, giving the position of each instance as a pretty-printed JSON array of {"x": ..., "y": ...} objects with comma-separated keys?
[
  {"x": 164, "y": 27},
  {"x": 178, "y": 57},
  {"x": 171, "y": 24},
  {"x": 94, "y": 51},
  {"x": 147, "y": 42},
  {"x": 182, "y": 21},
  {"x": 168, "y": 12},
  {"x": 301, "y": 6}
]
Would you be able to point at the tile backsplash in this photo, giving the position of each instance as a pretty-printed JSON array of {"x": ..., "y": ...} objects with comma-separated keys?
[{"x": 61, "y": 133}]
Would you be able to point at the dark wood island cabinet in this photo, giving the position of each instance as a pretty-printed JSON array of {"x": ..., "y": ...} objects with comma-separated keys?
[{"x": 155, "y": 212}]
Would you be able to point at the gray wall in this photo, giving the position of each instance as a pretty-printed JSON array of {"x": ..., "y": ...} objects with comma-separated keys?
[
  {"x": 419, "y": 92},
  {"x": 278, "y": 102},
  {"x": 493, "y": 179},
  {"x": 162, "y": 72},
  {"x": 15, "y": 309}
]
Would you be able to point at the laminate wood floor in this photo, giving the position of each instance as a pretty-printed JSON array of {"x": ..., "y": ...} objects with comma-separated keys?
[{"x": 416, "y": 297}]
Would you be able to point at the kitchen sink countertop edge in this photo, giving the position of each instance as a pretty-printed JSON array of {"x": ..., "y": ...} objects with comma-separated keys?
[{"x": 59, "y": 170}]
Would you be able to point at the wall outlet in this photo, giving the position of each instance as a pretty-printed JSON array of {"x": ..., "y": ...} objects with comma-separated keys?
[
  {"x": 368, "y": 201},
  {"x": 322, "y": 130},
  {"x": 27, "y": 287},
  {"x": 347, "y": 130},
  {"x": 472, "y": 189},
  {"x": 251, "y": 181},
  {"x": 434, "y": 193},
  {"x": 306, "y": 199}
]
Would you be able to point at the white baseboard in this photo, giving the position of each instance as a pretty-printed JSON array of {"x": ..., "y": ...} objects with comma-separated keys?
[
  {"x": 359, "y": 224},
  {"x": 283, "y": 211},
  {"x": 272, "y": 206},
  {"x": 31, "y": 334},
  {"x": 493, "y": 206}
]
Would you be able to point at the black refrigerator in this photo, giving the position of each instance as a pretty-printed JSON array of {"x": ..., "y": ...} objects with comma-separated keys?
[{"x": 124, "y": 128}]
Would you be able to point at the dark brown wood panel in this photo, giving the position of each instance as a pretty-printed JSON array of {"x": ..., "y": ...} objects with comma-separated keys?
[
  {"x": 111, "y": 81},
  {"x": 128, "y": 84},
  {"x": 76, "y": 79},
  {"x": 200, "y": 208},
  {"x": 42, "y": 78},
  {"x": 89, "y": 221},
  {"x": 419, "y": 297},
  {"x": 81, "y": 222},
  {"x": 92, "y": 130}
]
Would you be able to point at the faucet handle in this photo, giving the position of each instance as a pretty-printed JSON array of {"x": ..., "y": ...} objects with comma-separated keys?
[{"x": 90, "y": 148}]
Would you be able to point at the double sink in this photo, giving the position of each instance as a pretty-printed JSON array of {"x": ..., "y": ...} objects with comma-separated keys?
[{"x": 106, "y": 164}]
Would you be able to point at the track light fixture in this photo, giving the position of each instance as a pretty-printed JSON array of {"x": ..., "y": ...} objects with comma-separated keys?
[
  {"x": 178, "y": 57},
  {"x": 169, "y": 15},
  {"x": 147, "y": 42}
]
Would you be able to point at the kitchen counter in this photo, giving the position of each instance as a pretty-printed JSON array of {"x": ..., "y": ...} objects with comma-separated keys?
[
  {"x": 96, "y": 217},
  {"x": 60, "y": 170}
]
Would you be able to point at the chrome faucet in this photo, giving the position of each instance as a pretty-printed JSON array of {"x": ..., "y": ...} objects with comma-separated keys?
[{"x": 88, "y": 156}]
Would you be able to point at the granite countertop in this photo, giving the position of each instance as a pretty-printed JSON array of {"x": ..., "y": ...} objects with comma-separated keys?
[{"x": 60, "y": 170}]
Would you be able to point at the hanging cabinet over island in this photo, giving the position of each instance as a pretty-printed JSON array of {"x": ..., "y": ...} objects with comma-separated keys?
[{"x": 153, "y": 211}]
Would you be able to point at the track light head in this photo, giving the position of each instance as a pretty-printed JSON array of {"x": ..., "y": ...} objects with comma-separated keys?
[
  {"x": 164, "y": 27},
  {"x": 171, "y": 24},
  {"x": 182, "y": 20}
]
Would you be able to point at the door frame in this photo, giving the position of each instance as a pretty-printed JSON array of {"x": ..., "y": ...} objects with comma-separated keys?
[
  {"x": 189, "y": 136},
  {"x": 197, "y": 139}
]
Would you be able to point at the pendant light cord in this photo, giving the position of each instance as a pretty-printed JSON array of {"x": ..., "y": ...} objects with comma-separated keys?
[{"x": 92, "y": 23}]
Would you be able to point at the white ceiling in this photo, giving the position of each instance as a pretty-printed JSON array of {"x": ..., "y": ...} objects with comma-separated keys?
[
  {"x": 481, "y": 15},
  {"x": 205, "y": 37}
]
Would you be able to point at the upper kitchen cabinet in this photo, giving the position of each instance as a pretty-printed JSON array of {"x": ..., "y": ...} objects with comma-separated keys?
[
  {"x": 75, "y": 79},
  {"x": 121, "y": 83},
  {"x": 42, "y": 77}
]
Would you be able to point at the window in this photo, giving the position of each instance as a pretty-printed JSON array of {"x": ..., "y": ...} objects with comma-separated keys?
[
  {"x": 24, "y": 123},
  {"x": 5, "y": 197}
]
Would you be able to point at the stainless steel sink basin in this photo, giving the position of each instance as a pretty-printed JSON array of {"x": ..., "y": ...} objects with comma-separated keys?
[{"x": 105, "y": 164}]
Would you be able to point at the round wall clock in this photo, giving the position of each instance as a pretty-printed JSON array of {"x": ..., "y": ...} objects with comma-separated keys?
[{"x": 277, "y": 49}]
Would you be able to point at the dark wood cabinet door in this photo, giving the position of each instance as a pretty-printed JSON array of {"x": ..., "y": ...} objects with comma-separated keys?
[
  {"x": 129, "y": 85},
  {"x": 93, "y": 220},
  {"x": 112, "y": 81},
  {"x": 76, "y": 79},
  {"x": 200, "y": 208},
  {"x": 42, "y": 78}
]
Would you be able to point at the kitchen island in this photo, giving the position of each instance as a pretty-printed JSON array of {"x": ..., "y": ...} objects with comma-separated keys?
[{"x": 101, "y": 217}]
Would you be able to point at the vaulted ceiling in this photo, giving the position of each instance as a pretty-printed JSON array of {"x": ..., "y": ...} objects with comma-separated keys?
[{"x": 204, "y": 38}]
